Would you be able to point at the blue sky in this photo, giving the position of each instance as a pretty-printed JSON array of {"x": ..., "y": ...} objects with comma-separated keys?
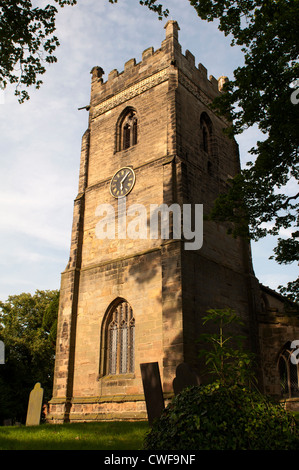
[{"x": 41, "y": 139}]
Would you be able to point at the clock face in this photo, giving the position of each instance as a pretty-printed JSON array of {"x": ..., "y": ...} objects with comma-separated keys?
[{"x": 122, "y": 182}]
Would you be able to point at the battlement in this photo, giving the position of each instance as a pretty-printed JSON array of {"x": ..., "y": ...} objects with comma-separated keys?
[{"x": 168, "y": 56}]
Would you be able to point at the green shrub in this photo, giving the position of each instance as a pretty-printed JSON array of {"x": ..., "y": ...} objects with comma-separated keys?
[{"x": 223, "y": 418}]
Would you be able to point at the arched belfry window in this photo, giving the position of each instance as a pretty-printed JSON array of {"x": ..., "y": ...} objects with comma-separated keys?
[
  {"x": 288, "y": 372},
  {"x": 127, "y": 129},
  {"x": 118, "y": 336},
  {"x": 206, "y": 131}
]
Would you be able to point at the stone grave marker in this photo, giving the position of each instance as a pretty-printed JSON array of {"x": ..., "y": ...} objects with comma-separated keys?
[
  {"x": 152, "y": 390},
  {"x": 2, "y": 353},
  {"x": 35, "y": 405},
  {"x": 185, "y": 377}
]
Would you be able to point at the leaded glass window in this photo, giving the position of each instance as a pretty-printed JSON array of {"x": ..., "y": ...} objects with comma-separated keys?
[
  {"x": 121, "y": 339},
  {"x": 288, "y": 372}
]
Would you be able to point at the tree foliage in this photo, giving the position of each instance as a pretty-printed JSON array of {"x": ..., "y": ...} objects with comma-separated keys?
[
  {"x": 27, "y": 43},
  {"x": 153, "y": 6},
  {"x": 223, "y": 351},
  {"x": 28, "y": 329}
]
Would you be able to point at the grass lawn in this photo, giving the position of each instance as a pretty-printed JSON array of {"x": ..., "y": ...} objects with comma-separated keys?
[
  {"x": 74, "y": 436},
  {"x": 77, "y": 436}
]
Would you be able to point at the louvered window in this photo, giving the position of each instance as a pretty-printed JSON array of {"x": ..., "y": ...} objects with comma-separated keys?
[{"x": 127, "y": 130}]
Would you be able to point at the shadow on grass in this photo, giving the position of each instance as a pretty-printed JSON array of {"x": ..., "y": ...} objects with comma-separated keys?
[{"x": 75, "y": 436}]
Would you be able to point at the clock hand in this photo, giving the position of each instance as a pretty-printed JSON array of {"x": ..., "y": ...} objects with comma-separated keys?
[
  {"x": 124, "y": 178},
  {"x": 121, "y": 183}
]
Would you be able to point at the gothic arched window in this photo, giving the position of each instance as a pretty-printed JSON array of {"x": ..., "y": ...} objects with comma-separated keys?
[
  {"x": 119, "y": 338},
  {"x": 206, "y": 132},
  {"x": 288, "y": 372},
  {"x": 127, "y": 129}
]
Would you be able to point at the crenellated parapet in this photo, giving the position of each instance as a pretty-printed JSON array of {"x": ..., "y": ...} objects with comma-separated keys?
[{"x": 154, "y": 67}]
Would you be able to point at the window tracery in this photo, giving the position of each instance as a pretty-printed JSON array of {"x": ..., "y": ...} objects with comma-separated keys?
[
  {"x": 120, "y": 340},
  {"x": 288, "y": 372},
  {"x": 127, "y": 132}
]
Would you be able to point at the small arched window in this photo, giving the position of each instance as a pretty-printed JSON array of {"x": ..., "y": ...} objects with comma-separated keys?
[
  {"x": 206, "y": 131},
  {"x": 119, "y": 338},
  {"x": 288, "y": 372},
  {"x": 127, "y": 129}
]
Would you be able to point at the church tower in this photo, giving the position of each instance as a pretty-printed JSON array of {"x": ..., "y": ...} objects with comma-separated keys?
[{"x": 131, "y": 294}]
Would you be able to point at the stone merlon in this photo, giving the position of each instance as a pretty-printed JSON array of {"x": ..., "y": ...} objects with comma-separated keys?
[{"x": 167, "y": 56}]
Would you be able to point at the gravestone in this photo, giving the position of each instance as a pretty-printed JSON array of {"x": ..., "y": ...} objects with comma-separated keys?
[
  {"x": 35, "y": 405},
  {"x": 185, "y": 377},
  {"x": 2, "y": 353},
  {"x": 7, "y": 422},
  {"x": 152, "y": 390}
]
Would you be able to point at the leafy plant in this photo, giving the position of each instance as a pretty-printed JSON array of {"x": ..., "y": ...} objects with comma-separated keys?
[
  {"x": 220, "y": 417},
  {"x": 225, "y": 359},
  {"x": 226, "y": 414}
]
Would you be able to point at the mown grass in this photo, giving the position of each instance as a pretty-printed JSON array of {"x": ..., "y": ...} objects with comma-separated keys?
[{"x": 75, "y": 436}]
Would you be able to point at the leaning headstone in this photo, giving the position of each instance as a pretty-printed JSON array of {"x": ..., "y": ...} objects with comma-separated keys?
[
  {"x": 2, "y": 353},
  {"x": 152, "y": 390},
  {"x": 185, "y": 377},
  {"x": 35, "y": 405},
  {"x": 7, "y": 422}
]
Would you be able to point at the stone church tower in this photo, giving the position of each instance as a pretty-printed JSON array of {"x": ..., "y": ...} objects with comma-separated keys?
[{"x": 151, "y": 139}]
